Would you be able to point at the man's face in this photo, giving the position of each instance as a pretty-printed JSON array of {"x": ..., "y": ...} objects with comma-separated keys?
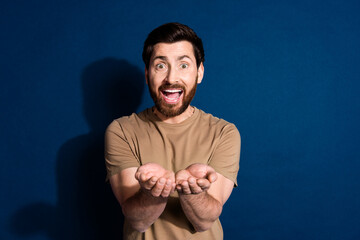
[{"x": 172, "y": 77}]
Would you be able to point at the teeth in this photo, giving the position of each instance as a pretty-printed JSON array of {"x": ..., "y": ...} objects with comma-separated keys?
[{"x": 172, "y": 90}]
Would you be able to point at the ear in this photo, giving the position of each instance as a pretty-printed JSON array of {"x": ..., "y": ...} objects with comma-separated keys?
[
  {"x": 146, "y": 76},
  {"x": 200, "y": 73}
]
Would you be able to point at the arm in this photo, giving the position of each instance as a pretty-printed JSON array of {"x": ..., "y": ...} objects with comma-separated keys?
[
  {"x": 142, "y": 193},
  {"x": 202, "y": 194}
]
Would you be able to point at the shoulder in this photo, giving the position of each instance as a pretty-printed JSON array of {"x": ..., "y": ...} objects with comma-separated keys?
[
  {"x": 216, "y": 122},
  {"x": 131, "y": 125},
  {"x": 131, "y": 120}
]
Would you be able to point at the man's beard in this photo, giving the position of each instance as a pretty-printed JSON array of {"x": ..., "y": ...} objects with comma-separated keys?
[{"x": 172, "y": 110}]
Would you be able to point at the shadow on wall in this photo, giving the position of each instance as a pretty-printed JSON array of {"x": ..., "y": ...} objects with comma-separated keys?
[{"x": 86, "y": 207}]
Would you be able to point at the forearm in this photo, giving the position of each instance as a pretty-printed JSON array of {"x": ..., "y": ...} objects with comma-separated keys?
[
  {"x": 200, "y": 209},
  {"x": 143, "y": 209}
]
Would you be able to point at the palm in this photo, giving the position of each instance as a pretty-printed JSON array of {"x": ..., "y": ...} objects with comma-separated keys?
[
  {"x": 195, "y": 179},
  {"x": 182, "y": 175},
  {"x": 197, "y": 171},
  {"x": 153, "y": 170}
]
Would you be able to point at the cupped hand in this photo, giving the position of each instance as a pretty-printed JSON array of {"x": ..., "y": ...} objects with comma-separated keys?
[
  {"x": 195, "y": 179},
  {"x": 156, "y": 180}
]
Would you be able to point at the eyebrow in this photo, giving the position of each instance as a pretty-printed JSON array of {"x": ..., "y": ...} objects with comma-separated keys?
[
  {"x": 178, "y": 58},
  {"x": 160, "y": 57},
  {"x": 183, "y": 56}
]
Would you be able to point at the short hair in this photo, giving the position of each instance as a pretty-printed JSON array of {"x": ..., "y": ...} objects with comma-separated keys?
[{"x": 171, "y": 33}]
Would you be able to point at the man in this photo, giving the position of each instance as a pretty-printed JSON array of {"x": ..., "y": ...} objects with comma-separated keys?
[{"x": 172, "y": 167}]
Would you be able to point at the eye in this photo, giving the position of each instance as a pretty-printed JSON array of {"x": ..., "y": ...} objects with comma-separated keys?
[
  {"x": 184, "y": 65},
  {"x": 160, "y": 66}
]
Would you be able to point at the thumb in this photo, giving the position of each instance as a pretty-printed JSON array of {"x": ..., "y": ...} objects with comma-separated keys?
[{"x": 212, "y": 176}]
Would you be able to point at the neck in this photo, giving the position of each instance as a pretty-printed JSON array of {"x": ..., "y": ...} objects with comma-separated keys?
[{"x": 177, "y": 119}]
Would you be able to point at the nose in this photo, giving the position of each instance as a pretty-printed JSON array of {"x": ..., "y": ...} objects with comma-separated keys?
[{"x": 172, "y": 76}]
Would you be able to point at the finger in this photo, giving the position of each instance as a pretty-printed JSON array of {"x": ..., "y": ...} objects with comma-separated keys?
[
  {"x": 194, "y": 187},
  {"x": 158, "y": 188},
  {"x": 167, "y": 188},
  {"x": 139, "y": 173},
  {"x": 212, "y": 177},
  {"x": 143, "y": 177},
  {"x": 178, "y": 188},
  {"x": 141, "y": 170},
  {"x": 137, "y": 176},
  {"x": 149, "y": 184},
  {"x": 185, "y": 187},
  {"x": 203, "y": 184},
  {"x": 181, "y": 176}
]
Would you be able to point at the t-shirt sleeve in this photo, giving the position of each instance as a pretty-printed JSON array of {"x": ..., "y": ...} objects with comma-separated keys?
[
  {"x": 226, "y": 156},
  {"x": 118, "y": 153}
]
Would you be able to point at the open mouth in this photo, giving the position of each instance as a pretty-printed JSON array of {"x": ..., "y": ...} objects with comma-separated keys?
[{"x": 172, "y": 96}]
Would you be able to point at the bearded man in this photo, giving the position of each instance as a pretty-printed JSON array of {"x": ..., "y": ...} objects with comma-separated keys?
[{"x": 172, "y": 167}]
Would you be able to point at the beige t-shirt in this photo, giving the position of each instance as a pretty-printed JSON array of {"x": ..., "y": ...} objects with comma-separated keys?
[{"x": 202, "y": 138}]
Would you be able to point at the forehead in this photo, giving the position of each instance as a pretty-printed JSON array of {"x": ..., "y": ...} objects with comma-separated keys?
[{"x": 175, "y": 50}]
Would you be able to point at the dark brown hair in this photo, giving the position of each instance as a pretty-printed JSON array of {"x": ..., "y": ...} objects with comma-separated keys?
[{"x": 171, "y": 33}]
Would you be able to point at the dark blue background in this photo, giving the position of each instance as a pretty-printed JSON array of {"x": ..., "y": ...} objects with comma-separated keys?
[{"x": 285, "y": 72}]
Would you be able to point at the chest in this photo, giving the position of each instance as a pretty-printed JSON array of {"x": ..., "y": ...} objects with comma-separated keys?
[{"x": 174, "y": 149}]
